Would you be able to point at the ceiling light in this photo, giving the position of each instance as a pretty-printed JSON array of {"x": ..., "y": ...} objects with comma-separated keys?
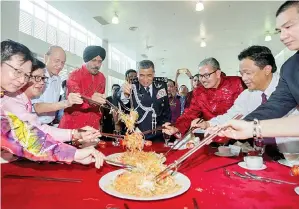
[
  {"x": 115, "y": 19},
  {"x": 199, "y": 6},
  {"x": 268, "y": 37},
  {"x": 203, "y": 43}
]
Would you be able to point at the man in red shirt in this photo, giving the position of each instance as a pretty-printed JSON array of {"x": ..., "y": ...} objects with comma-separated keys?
[
  {"x": 89, "y": 82},
  {"x": 214, "y": 97}
]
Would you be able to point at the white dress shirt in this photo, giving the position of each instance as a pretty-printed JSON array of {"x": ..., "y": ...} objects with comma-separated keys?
[
  {"x": 51, "y": 95},
  {"x": 249, "y": 101}
]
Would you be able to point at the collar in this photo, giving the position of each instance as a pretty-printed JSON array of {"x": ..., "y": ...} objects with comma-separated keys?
[
  {"x": 272, "y": 86},
  {"x": 47, "y": 74}
]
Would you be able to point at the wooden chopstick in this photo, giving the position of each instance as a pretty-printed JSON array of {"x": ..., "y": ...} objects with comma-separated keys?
[
  {"x": 195, "y": 203},
  {"x": 156, "y": 129},
  {"x": 179, "y": 141},
  {"x": 104, "y": 134},
  {"x": 126, "y": 206},
  {"x": 43, "y": 178}
]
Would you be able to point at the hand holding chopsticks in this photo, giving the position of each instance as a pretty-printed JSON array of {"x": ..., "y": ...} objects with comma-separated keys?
[{"x": 207, "y": 140}]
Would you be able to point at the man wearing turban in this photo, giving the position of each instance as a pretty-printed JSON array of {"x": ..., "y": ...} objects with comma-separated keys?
[{"x": 88, "y": 81}]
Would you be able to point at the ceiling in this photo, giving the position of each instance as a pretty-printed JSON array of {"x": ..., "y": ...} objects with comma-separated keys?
[{"x": 175, "y": 29}]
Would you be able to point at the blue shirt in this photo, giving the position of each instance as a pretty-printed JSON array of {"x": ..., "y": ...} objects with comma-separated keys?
[{"x": 51, "y": 95}]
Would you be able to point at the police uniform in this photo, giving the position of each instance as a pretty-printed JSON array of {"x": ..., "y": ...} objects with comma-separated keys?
[{"x": 152, "y": 107}]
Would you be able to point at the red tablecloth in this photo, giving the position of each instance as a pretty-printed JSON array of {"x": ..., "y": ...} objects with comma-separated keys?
[{"x": 219, "y": 191}]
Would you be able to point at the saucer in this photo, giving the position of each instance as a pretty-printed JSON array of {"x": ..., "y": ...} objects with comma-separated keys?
[
  {"x": 224, "y": 154},
  {"x": 285, "y": 162},
  {"x": 243, "y": 165},
  {"x": 297, "y": 190}
]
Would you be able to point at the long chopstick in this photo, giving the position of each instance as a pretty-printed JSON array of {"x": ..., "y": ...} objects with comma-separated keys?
[
  {"x": 195, "y": 203},
  {"x": 42, "y": 178},
  {"x": 179, "y": 141},
  {"x": 104, "y": 134},
  {"x": 99, "y": 104},
  {"x": 223, "y": 166},
  {"x": 126, "y": 206},
  {"x": 207, "y": 140}
]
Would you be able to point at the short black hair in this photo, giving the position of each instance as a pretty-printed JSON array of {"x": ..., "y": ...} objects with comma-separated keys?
[
  {"x": 115, "y": 85},
  {"x": 10, "y": 48},
  {"x": 286, "y": 5},
  {"x": 38, "y": 65},
  {"x": 145, "y": 64},
  {"x": 130, "y": 71},
  {"x": 169, "y": 80},
  {"x": 261, "y": 55},
  {"x": 196, "y": 75}
]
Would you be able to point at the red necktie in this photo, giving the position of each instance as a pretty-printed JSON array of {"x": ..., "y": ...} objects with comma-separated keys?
[{"x": 264, "y": 98}]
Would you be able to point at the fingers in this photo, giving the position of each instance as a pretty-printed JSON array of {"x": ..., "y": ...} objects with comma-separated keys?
[
  {"x": 74, "y": 98},
  {"x": 98, "y": 158},
  {"x": 100, "y": 98},
  {"x": 90, "y": 135},
  {"x": 88, "y": 128}
]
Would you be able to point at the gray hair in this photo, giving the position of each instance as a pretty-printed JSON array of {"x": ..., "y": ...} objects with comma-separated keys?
[
  {"x": 210, "y": 61},
  {"x": 51, "y": 48}
]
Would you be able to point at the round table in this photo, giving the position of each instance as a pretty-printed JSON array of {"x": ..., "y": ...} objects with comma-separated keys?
[{"x": 211, "y": 189}]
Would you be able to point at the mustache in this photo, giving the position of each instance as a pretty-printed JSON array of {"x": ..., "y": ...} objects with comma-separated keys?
[{"x": 95, "y": 68}]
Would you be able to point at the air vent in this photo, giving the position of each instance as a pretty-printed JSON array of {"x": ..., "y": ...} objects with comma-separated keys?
[
  {"x": 133, "y": 28},
  {"x": 101, "y": 20}
]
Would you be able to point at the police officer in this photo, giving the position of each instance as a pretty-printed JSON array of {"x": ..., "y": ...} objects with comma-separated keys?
[{"x": 149, "y": 98}]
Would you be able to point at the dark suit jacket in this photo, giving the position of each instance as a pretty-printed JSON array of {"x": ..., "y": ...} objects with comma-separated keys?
[
  {"x": 286, "y": 95},
  {"x": 160, "y": 105}
]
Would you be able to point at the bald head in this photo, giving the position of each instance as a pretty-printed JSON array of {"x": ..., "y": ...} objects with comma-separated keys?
[{"x": 55, "y": 59}]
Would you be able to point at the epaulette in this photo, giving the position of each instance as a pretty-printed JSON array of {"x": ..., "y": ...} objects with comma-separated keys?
[{"x": 160, "y": 79}]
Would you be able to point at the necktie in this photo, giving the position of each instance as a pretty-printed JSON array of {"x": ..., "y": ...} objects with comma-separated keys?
[
  {"x": 271, "y": 147},
  {"x": 147, "y": 91},
  {"x": 264, "y": 98}
]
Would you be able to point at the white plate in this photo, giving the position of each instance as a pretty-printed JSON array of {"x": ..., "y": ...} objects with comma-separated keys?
[
  {"x": 286, "y": 163},
  {"x": 107, "y": 180},
  {"x": 224, "y": 155},
  {"x": 117, "y": 156},
  {"x": 243, "y": 165},
  {"x": 297, "y": 190}
]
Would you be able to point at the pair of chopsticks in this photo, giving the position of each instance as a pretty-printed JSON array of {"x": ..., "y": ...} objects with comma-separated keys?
[
  {"x": 156, "y": 129},
  {"x": 105, "y": 134},
  {"x": 120, "y": 164},
  {"x": 207, "y": 140},
  {"x": 184, "y": 137},
  {"x": 42, "y": 178},
  {"x": 99, "y": 104}
]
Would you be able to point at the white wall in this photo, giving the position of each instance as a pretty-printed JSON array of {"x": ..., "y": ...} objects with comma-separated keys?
[{"x": 282, "y": 56}]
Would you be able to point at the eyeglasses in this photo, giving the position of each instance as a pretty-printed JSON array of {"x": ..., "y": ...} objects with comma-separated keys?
[
  {"x": 40, "y": 78},
  {"x": 18, "y": 73},
  {"x": 206, "y": 76}
]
